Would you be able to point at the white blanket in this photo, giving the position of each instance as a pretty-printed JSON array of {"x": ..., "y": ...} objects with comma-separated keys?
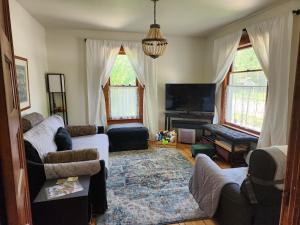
[{"x": 207, "y": 182}]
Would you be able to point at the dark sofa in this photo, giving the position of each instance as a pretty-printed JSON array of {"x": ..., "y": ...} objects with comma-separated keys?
[{"x": 235, "y": 207}]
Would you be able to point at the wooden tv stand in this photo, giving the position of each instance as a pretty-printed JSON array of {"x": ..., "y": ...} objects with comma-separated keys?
[{"x": 187, "y": 120}]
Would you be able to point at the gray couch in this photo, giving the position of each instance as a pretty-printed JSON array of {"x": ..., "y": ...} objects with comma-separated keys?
[{"x": 88, "y": 157}]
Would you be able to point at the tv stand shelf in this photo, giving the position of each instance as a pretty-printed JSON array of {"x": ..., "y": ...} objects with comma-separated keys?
[{"x": 188, "y": 120}]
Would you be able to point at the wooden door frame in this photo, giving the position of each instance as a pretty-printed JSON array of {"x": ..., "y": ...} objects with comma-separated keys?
[
  {"x": 15, "y": 205},
  {"x": 290, "y": 208}
]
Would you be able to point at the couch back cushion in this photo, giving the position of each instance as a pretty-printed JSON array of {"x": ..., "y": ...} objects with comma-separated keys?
[{"x": 41, "y": 136}]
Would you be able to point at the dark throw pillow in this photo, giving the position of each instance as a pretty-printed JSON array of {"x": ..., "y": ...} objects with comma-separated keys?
[
  {"x": 31, "y": 153},
  {"x": 63, "y": 139}
]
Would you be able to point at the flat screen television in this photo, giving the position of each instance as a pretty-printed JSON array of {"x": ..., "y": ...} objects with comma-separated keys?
[{"x": 190, "y": 97}]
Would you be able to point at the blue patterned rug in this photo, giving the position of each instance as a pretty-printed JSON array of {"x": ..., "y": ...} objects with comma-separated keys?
[{"x": 149, "y": 187}]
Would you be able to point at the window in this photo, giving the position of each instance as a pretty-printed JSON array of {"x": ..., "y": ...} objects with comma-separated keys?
[
  {"x": 245, "y": 92},
  {"x": 123, "y": 93}
]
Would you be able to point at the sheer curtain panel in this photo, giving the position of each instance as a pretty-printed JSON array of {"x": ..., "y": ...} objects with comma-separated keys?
[
  {"x": 224, "y": 51},
  {"x": 271, "y": 41},
  {"x": 123, "y": 102},
  {"x": 100, "y": 58},
  {"x": 144, "y": 67}
]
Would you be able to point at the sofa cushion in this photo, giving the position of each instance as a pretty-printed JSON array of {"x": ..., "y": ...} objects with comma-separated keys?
[
  {"x": 76, "y": 131},
  {"x": 72, "y": 156},
  {"x": 63, "y": 139},
  {"x": 99, "y": 141},
  {"x": 42, "y": 135},
  {"x": 72, "y": 169}
]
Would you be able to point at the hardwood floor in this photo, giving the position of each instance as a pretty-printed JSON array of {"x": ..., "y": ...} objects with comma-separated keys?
[
  {"x": 186, "y": 152},
  {"x": 198, "y": 222}
]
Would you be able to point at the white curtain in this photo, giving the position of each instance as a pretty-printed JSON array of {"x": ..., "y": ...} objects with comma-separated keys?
[
  {"x": 224, "y": 51},
  {"x": 100, "y": 58},
  {"x": 123, "y": 102},
  {"x": 271, "y": 41},
  {"x": 144, "y": 67}
]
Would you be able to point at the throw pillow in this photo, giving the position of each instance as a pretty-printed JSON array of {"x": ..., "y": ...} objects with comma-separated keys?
[{"x": 63, "y": 139}]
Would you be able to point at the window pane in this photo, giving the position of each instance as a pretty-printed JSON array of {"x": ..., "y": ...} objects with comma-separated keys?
[
  {"x": 123, "y": 102},
  {"x": 245, "y": 99},
  {"x": 256, "y": 78},
  {"x": 246, "y": 59},
  {"x": 122, "y": 72}
]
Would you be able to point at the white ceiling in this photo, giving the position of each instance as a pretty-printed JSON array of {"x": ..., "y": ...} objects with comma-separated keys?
[{"x": 179, "y": 17}]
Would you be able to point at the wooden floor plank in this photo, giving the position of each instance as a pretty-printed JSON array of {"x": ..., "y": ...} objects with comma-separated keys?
[
  {"x": 197, "y": 222},
  {"x": 210, "y": 222}
]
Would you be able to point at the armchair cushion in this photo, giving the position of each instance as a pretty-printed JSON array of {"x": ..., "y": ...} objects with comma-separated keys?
[
  {"x": 76, "y": 131},
  {"x": 72, "y": 156},
  {"x": 63, "y": 139},
  {"x": 70, "y": 169}
]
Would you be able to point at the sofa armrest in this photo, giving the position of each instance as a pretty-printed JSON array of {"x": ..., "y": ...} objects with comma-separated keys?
[
  {"x": 71, "y": 169},
  {"x": 72, "y": 156},
  {"x": 82, "y": 130},
  {"x": 98, "y": 194},
  {"x": 234, "y": 208},
  {"x": 36, "y": 178}
]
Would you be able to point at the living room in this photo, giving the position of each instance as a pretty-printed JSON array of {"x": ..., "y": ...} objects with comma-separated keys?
[{"x": 218, "y": 78}]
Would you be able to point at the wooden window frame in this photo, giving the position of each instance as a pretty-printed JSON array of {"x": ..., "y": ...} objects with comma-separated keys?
[
  {"x": 244, "y": 43},
  {"x": 140, "y": 101}
]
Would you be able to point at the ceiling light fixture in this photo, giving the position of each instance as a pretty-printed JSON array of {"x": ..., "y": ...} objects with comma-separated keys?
[{"x": 154, "y": 44}]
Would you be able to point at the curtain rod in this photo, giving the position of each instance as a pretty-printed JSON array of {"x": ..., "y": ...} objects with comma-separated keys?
[{"x": 297, "y": 12}]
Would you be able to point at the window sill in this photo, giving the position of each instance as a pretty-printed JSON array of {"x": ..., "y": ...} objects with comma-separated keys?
[{"x": 234, "y": 127}]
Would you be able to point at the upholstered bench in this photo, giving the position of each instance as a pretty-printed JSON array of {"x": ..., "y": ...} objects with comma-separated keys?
[
  {"x": 231, "y": 144},
  {"x": 230, "y": 134},
  {"x": 129, "y": 136}
]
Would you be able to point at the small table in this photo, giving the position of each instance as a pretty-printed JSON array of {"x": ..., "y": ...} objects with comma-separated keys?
[{"x": 70, "y": 209}]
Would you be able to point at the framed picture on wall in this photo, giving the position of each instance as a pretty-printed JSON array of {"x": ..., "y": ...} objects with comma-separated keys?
[{"x": 23, "y": 82}]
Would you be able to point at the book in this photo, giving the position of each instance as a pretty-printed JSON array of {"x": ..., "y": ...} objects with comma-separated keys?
[{"x": 63, "y": 188}]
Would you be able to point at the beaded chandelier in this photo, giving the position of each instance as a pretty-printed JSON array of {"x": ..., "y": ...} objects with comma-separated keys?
[{"x": 154, "y": 44}]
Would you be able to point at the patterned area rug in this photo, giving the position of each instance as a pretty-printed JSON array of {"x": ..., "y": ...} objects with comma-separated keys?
[{"x": 149, "y": 187}]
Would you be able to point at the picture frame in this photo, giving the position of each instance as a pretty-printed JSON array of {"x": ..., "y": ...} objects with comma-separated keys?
[{"x": 23, "y": 82}]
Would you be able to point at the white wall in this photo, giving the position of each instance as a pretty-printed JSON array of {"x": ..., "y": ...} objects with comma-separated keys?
[
  {"x": 30, "y": 42},
  {"x": 181, "y": 63}
]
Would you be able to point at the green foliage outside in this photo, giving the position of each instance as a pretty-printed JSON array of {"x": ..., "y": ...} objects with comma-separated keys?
[
  {"x": 246, "y": 59},
  {"x": 246, "y": 95},
  {"x": 122, "y": 73}
]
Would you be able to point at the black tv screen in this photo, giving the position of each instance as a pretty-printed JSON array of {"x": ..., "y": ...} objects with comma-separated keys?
[{"x": 190, "y": 97}]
